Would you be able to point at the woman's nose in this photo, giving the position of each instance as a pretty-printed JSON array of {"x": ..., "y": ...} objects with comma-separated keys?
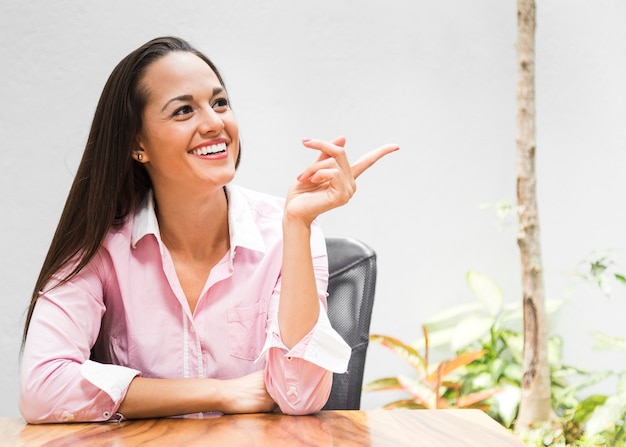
[{"x": 210, "y": 123}]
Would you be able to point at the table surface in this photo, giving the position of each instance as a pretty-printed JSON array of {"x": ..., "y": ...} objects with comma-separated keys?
[{"x": 384, "y": 428}]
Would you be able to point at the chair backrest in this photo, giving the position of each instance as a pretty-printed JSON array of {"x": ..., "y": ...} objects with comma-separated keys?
[{"x": 351, "y": 287}]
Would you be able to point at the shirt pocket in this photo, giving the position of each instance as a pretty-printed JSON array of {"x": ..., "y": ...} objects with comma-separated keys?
[{"x": 246, "y": 331}]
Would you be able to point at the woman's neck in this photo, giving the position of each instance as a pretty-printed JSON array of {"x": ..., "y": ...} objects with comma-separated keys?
[{"x": 196, "y": 226}]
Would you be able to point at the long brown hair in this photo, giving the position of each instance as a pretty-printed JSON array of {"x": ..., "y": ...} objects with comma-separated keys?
[{"x": 109, "y": 184}]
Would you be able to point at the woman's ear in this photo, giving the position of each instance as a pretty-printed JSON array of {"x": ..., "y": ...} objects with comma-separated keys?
[{"x": 140, "y": 155}]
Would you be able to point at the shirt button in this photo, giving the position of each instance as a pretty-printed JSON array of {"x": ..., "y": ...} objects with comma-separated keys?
[
  {"x": 293, "y": 391},
  {"x": 290, "y": 358},
  {"x": 106, "y": 414}
]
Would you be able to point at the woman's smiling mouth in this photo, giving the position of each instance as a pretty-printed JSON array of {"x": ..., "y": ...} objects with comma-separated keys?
[{"x": 209, "y": 150}]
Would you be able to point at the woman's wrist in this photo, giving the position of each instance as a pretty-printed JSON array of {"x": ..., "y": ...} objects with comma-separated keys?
[
  {"x": 215, "y": 395},
  {"x": 296, "y": 224}
]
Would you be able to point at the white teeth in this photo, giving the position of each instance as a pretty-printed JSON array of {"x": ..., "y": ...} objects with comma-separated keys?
[{"x": 206, "y": 150}]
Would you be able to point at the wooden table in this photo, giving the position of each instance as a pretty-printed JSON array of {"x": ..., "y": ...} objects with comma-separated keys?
[{"x": 384, "y": 428}]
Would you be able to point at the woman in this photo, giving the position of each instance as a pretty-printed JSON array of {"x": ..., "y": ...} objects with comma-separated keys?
[{"x": 166, "y": 289}]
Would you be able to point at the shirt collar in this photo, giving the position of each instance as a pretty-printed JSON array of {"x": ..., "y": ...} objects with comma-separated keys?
[
  {"x": 242, "y": 227},
  {"x": 145, "y": 221},
  {"x": 244, "y": 231}
]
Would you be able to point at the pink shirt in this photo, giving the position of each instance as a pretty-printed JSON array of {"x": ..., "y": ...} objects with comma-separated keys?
[{"x": 125, "y": 314}]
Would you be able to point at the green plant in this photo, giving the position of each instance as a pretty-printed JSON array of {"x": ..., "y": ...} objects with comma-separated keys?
[
  {"x": 598, "y": 269},
  {"x": 494, "y": 326},
  {"x": 434, "y": 387},
  {"x": 607, "y": 418},
  {"x": 486, "y": 339}
]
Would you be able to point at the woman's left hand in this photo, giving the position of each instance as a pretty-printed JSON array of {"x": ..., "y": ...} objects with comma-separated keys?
[{"x": 329, "y": 182}]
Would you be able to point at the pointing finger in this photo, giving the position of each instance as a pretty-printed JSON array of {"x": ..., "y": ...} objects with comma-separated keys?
[{"x": 367, "y": 160}]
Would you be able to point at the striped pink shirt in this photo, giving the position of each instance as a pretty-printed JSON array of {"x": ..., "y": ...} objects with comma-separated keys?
[{"x": 125, "y": 314}]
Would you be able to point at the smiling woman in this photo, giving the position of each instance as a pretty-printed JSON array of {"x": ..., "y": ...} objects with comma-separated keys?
[
  {"x": 189, "y": 135},
  {"x": 182, "y": 293}
]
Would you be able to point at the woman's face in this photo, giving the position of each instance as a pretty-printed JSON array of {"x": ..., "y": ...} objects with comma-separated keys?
[{"x": 190, "y": 138}]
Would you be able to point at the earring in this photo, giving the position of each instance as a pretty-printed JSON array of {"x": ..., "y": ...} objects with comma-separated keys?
[{"x": 139, "y": 157}]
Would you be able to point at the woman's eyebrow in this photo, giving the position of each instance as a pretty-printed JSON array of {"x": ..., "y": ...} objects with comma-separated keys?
[
  {"x": 216, "y": 91},
  {"x": 178, "y": 98}
]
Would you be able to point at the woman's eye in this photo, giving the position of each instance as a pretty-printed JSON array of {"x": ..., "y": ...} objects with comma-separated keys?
[
  {"x": 220, "y": 103},
  {"x": 183, "y": 110}
]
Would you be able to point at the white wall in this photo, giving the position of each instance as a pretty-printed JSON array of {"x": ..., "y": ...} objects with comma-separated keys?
[{"x": 437, "y": 77}]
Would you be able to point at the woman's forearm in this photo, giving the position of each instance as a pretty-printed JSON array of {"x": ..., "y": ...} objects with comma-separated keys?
[
  {"x": 152, "y": 398},
  {"x": 298, "y": 310}
]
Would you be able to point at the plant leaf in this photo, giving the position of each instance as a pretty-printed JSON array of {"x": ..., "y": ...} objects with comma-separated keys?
[
  {"x": 486, "y": 291},
  {"x": 386, "y": 384},
  {"x": 421, "y": 393},
  {"x": 589, "y": 380},
  {"x": 473, "y": 398},
  {"x": 604, "y": 342},
  {"x": 470, "y": 330},
  {"x": 511, "y": 312},
  {"x": 450, "y": 317},
  {"x": 405, "y": 403},
  {"x": 555, "y": 345},
  {"x": 606, "y": 416},
  {"x": 448, "y": 366},
  {"x": 515, "y": 345},
  {"x": 621, "y": 388},
  {"x": 586, "y": 407},
  {"x": 620, "y": 278},
  {"x": 407, "y": 352},
  {"x": 507, "y": 403}
]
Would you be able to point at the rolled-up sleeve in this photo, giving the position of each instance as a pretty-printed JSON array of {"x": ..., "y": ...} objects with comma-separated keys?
[
  {"x": 58, "y": 382},
  {"x": 299, "y": 379}
]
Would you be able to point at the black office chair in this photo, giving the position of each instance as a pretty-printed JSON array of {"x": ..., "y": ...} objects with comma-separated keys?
[{"x": 351, "y": 287}]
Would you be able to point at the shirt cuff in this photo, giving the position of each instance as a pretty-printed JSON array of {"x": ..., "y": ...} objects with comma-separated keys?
[
  {"x": 112, "y": 379},
  {"x": 322, "y": 346}
]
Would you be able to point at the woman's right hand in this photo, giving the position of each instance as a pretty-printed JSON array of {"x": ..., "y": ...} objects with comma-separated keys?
[
  {"x": 247, "y": 394},
  {"x": 330, "y": 181}
]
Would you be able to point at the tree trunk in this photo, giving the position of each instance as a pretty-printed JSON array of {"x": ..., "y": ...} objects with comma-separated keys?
[{"x": 535, "y": 403}]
